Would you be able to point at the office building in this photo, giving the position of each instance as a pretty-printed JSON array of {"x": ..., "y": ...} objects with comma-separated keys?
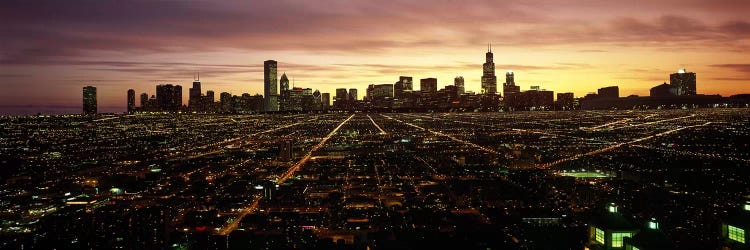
[
  {"x": 353, "y": 94},
  {"x": 489, "y": 80},
  {"x": 89, "y": 100},
  {"x": 194, "y": 96},
  {"x": 683, "y": 82},
  {"x": 325, "y": 99},
  {"x": 168, "y": 97},
  {"x": 459, "y": 83},
  {"x": 609, "y": 92},
  {"x": 428, "y": 85},
  {"x": 662, "y": 90},
  {"x": 403, "y": 85},
  {"x": 270, "y": 86},
  {"x": 131, "y": 100},
  {"x": 382, "y": 91},
  {"x": 144, "y": 100},
  {"x": 565, "y": 101}
]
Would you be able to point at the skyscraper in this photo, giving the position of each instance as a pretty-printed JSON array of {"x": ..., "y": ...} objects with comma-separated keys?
[
  {"x": 683, "y": 82},
  {"x": 509, "y": 87},
  {"x": 89, "y": 100},
  {"x": 144, "y": 100},
  {"x": 428, "y": 85},
  {"x": 168, "y": 97},
  {"x": 489, "y": 80},
  {"x": 353, "y": 94},
  {"x": 284, "y": 93},
  {"x": 284, "y": 83},
  {"x": 270, "y": 86},
  {"x": 404, "y": 84},
  {"x": 341, "y": 95},
  {"x": 194, "y": 96},
  {"x": 325, "y": 100},
  {"x": 459, "y": 82},
  {"x": 317, "y": 101},
  {"x": 131, "y": 100}
]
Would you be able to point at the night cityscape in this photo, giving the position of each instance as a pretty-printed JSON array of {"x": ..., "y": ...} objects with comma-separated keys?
[{"x": 344, "y": 143}]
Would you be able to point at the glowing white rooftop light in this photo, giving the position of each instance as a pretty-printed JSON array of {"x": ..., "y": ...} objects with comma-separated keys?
[
  {"x": 681, "y": 71},
  {"x": 510, "y": 72}
]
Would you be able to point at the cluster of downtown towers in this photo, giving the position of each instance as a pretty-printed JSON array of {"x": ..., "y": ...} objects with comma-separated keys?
[{"x": 400, "y": 96}]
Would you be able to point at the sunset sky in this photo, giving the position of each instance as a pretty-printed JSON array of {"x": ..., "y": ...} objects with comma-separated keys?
[{"x": 50, "y": 49}]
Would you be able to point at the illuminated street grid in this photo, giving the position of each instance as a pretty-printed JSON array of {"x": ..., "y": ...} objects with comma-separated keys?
[{"x": 475, "y": 180}]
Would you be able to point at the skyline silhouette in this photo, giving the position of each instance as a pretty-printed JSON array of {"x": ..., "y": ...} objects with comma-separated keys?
[{"x": 51, "y": 50}]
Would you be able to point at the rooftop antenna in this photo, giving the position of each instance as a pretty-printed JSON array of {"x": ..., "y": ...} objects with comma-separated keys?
[{"x": 199, "y": 76}]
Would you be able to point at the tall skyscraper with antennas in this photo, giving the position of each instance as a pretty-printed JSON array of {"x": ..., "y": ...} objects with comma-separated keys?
[{"x": 489, "y": 80}]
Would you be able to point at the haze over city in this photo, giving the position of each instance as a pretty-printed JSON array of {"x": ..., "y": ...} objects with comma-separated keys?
[{"x": 51, "y": 49}]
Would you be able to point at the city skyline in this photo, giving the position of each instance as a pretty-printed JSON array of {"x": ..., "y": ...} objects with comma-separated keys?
[{"x": 563, "y": 47}]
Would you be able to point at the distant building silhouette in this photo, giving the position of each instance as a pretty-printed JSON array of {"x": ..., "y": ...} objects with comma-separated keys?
[
  {"x": 609, "y": 92},
  {"x": 509, "y": 87},
  {"x": 489, "y": 80},
  {"x": 144, "y": 101},
  {"x": 131, "y": 100},
  {"x": 353, "y": 94},
  {"x": 565, "y": 101},
  {"x": 270, "y": 86},
  {"x": 168, "y": 97},
  {"x": 459, "y": 83},
  {"x": 89, "y": 100},
  {"x": 684, "y": 82},
  {"x": 662, "y": 90},
  {"x": 428, "y": 85},
  {"x": 404, "y": 85},
  {"x": 326, "y": 100},
  {"x": 194, "y": 96}
]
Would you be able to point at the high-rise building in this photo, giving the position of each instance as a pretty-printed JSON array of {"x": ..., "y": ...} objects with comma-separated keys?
[
  {"x": 284, "y": 93},
  {"x": 177, "y": 97},
  {"x": 381, "y": 91},
  {"x": 459, "y": 82},
  {"x": 284, "y": 83},
  {"x": 208, "y": 101},
  {"x": 353, "y": 94},
  {"x": 131, "y": 100},
  {"x": 404, "y": 84},
  {"x": 510, "y": 90},
  {"x": 489, "y": 80},
  {"x": 270, "y": 86},
  {"x": 510, "y": 87},
  {"x": 168, "y": 97},
  {"x": 144, "y": 100},
  {"x": 225, "y": 100},
  {"x": 683, "y": 82},
  {"x": 609, "y": 92},
  {"x": 341, "y": 95},
  {"x": 428, "y": 85},
  {"x": 194, "y": 96},
  {"x": 565, "y": 101},
  {"x": 317, "y": 101},
  {"x": 326, "y": 100},
  {"x": 89, "y": 100}
]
